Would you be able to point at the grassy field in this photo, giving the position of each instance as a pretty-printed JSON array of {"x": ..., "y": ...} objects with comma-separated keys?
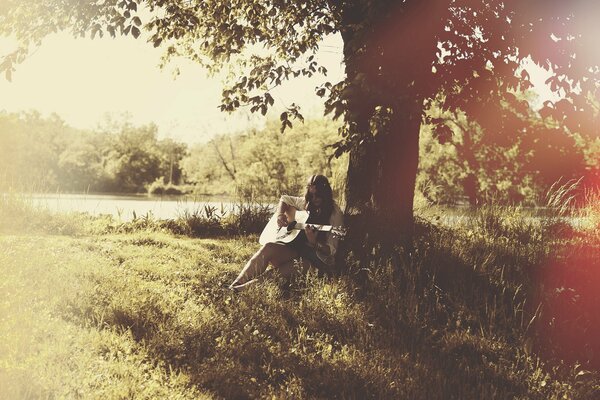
[{"x": 484, "y": 310}]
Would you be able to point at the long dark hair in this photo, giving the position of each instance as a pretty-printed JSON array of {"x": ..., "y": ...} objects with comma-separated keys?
[{"x": 321, "y": 214}]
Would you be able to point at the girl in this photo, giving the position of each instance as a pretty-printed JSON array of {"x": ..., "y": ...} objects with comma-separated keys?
[{"x": 309, "y": 248}]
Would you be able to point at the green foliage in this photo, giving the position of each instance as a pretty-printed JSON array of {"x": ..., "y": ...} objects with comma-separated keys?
[
  {"x": 460, "y": 160},
  {"x": 266, "y": 164},
  {"x": 158, "y": 187},
  {"x": 45, "y": 154},
  {"x": 142, "y": 315},
  {"x": 30, "y": 146},
  {"x": 132, "y": 161},
  {"x": 171, "y": 153}
]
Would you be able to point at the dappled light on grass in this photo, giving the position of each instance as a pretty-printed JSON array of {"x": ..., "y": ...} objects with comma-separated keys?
[{"x": 137, "y": 310}]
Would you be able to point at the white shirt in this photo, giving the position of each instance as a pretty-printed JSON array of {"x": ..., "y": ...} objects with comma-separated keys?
[{"x": 336, "y": 219}]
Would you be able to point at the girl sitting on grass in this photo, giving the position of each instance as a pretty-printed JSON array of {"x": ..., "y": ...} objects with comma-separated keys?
[{"x": 309, "y": 248}]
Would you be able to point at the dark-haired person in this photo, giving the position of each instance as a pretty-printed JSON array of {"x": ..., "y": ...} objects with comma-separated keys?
[{"x": 309, "y": 248}]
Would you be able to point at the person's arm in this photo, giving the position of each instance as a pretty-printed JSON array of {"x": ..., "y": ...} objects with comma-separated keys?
[
  {"x": 287, "y": 207},
  {"x": 283, "y": 213}
]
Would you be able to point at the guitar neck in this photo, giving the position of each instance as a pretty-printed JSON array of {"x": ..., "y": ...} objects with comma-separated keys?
[{"x": 322, "y": 228}]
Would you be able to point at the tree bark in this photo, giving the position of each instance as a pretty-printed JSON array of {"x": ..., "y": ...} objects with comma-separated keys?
[
  {"x": 466, "y": 151},
  {"x": 398, "y": 154},
  {"x": 387, "y": 68}
]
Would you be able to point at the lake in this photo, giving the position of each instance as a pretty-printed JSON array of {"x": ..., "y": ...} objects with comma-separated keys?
[{"x": 123, "y": 207}]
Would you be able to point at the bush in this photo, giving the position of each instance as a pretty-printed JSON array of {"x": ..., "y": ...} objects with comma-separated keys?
[{"x": 158, "y": 187}]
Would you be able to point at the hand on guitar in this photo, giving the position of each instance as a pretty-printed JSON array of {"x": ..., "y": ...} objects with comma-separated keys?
[
  {"x": 311, "y": 234},
  {"x": 282, "y": 220}
]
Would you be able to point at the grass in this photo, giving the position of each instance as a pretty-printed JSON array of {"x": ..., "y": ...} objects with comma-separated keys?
[
  {"x": 478, "y": 310},
  {"x": 18, "y": 213}
]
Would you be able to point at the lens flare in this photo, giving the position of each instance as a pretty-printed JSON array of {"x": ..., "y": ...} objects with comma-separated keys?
[{"x": 568, "y": 327}]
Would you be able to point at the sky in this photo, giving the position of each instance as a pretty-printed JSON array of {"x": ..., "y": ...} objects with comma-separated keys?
[{"x": 83, "y": 80}]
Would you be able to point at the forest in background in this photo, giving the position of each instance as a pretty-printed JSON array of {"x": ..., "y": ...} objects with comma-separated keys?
[{"x": 45, "y": 153}]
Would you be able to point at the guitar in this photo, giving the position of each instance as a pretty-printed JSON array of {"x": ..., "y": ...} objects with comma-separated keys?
[{"x": 285, "y": 234}]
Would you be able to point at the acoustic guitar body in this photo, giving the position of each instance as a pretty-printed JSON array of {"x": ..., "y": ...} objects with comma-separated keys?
[{"x": 273, "y": 233}]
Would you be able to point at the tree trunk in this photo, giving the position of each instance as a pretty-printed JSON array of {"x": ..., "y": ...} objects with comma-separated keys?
[
  {"x": 470, "y": 187},
  {"x": 466, "y": 152},
  {"x": 387, "y": 73},
  {"x": 398, "y": 162}
]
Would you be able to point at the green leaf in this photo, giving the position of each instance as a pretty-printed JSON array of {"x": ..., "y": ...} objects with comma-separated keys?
[
  {"x": 283, "y": 116},
  {"x": 135, "y": 32},
  {"x": 269, "y": 99},
  {"x": 137, "y": 21}
]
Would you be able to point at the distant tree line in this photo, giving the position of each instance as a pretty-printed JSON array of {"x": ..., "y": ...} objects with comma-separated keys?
[
  {"x": 460, "y": 162},
  {"x": 38, "y": 153},
  {"x": 266, "y": 163}
]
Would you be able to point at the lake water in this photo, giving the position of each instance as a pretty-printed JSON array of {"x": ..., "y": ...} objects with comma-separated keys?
[{"x": 124, "y": 207}]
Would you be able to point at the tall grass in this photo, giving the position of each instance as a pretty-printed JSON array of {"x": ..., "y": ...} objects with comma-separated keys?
[
  {"x": 245, "y": 217},
  {"x": 18, "y": 213},
  {"x": 590, "y": 213}
]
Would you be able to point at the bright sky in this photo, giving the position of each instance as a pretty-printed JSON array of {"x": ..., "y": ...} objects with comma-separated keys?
[{"x": 82, "y": 80}]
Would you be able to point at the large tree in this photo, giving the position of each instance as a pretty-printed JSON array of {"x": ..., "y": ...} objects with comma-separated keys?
[{"x": 398, "y": 55}]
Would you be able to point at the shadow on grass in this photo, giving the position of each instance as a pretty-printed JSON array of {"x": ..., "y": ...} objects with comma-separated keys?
[{"x": 445, "y": 322}]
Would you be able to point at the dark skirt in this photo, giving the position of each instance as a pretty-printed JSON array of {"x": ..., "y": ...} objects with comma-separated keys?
[{"x": 306, "y": 252}]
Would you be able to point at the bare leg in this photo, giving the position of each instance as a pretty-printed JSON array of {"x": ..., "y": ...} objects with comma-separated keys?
[
  {"x": 285, "y": 270},
  {"x": 274, "y": 253}
]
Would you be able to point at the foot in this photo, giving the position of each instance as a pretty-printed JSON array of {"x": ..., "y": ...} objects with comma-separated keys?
[{"x": 239, "y": 286}]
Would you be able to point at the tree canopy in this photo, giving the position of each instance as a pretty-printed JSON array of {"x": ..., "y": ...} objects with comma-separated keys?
[{"x": 400, "y": 56}]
